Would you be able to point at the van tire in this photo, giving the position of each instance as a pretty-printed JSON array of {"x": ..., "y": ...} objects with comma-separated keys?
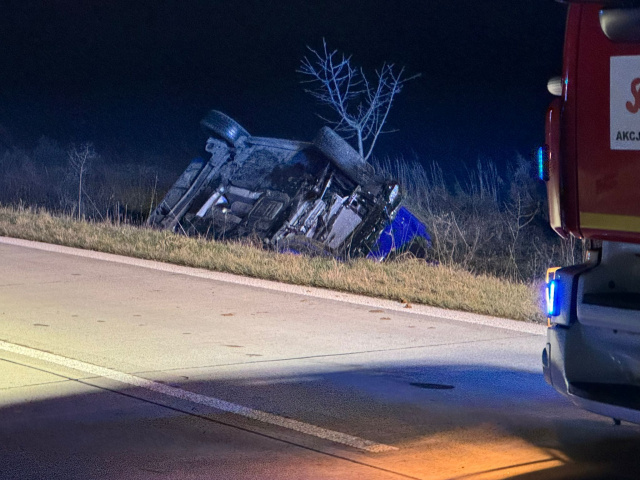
[
  {"x": 224, "y": 127},
  {"x": 343, "y": 155}
]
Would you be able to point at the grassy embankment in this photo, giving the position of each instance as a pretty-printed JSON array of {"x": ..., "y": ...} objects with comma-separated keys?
[{"x": 404, "y": 280}]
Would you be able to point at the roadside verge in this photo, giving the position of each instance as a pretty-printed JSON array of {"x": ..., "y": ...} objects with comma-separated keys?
[{"x": 405, "y": 282}]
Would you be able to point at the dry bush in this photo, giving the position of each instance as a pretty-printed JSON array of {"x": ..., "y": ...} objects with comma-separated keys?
[
  {"x": 484, "y": 223},
  {"x": 117, "y": 188}
]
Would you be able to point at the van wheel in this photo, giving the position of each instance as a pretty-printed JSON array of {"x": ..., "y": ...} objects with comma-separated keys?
[
  {"x": 342, "y": 155},
  {"x": 224, "y": 127}
]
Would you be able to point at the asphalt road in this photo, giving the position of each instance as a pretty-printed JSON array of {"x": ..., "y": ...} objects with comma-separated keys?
[{"x": 113, "y": 368}]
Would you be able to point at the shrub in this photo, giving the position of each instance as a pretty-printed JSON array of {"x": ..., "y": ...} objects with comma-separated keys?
[
  {"x": 121, "y": 189},
  {"x": 484, "y": 223}
]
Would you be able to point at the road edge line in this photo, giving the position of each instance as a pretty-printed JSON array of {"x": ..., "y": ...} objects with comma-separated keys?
[{"x": 354, "y": 299}]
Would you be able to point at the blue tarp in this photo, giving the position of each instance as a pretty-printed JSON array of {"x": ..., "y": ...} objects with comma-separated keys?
[{"x": 404, "y": 228}]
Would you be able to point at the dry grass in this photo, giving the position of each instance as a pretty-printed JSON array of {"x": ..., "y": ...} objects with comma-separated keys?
[{"x": 405, "y": 280}]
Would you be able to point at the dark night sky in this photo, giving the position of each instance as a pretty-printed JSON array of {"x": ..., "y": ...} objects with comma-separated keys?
[{"x": 137, "y": 75}]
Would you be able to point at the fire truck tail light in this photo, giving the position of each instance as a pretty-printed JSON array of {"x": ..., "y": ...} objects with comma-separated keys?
[{"x": 543, "y": 156}]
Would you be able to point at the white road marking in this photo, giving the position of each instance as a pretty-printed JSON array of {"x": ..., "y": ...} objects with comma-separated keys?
[
  {"x": 504, "y": 323},
  {"x": 337, "y": 437}
]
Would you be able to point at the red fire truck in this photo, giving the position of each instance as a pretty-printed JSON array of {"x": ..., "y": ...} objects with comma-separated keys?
[{"x": 591, "y": 165}]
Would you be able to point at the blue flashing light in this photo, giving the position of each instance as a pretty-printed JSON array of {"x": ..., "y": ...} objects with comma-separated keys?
[
  {"x": 540, "y": 157},
  {"x": 552, "y": 297}
]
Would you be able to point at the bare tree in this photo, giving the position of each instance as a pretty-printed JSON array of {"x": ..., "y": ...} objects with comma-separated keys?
[
  {"x": 80, "y": 158},
  {"x": 362, "y": 106}
]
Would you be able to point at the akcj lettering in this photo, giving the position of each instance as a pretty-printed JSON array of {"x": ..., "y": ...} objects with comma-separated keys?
[{"x": 625, "y": 136}]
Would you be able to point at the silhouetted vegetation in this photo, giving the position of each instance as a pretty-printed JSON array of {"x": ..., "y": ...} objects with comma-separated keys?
[
  {"x": 487, "y": 223},
  {"x": 78, "y": 181}
]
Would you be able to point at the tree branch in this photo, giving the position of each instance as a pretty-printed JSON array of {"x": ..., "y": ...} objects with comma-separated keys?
[{"x": 361, "y": 107}]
